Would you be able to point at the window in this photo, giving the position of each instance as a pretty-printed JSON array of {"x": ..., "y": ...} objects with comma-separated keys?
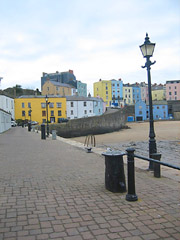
[
  {"x": 23, "y": 105},
  {"x": 175, "y": 93},
  {"x": 44, "y": 120},
  {"x": 157, "y": 107},
  {"x": 48, "y": 88},
  {"x": 43, "y": 113},
  {"x": 71, "y": 104},
  {"x": 106, "y": 92},
  {"x": 58, "y": 104},
  {"x": 29, "y": 113},
  {"x": 163, "y": 106},
  {"x": 29, "y": 105},
  {"x": 71, "y": 112},
  {"x": 129, "y": 90},
  {"x": 85, "y": 104},
  {"x": 51, "y": 105},
  {"x": 106, "y": 88},
  {"x": 23, "y": 113},
  {"x": 90, "y": 111},
  {"x": 117, "y": 85},
  {"x": 169, "y": 87},
  {"x": 85, "y": 111},
  {"x": 140, "y": 112},
  {"x": 43, "y": 105},
  {"x": 59, "y": 113},
  {"x": 169, "y": 93},
  {"x": 52, "y": 113},
  {"x": 175, "y": 87}
]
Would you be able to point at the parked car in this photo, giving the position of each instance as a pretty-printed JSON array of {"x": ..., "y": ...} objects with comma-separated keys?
[
  {"x": 61, "y": 120},
  {"x": 34, "y": 123},
  {"x": 13, "y": 123}
]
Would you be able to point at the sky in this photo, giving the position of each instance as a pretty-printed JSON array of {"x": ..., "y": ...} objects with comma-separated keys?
[{"x": 97, "y": 39}]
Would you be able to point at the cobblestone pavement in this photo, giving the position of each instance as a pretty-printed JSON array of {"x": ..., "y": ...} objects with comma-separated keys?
[{"x": 52, "y": 190}]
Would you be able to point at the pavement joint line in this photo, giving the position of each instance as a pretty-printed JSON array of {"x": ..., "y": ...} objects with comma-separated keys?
[{"x": 139, "y": 164}]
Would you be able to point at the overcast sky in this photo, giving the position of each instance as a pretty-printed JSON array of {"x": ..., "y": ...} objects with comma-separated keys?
[{"x": 95, "y": 38}]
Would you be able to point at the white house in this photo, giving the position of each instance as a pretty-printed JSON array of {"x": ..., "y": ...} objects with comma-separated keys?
[
  {"x": 80, "y": 107},
  {"x": 6, "y": 112},
  {"x": 5, "y": 121},
  {"x": 7, "y": 104}
]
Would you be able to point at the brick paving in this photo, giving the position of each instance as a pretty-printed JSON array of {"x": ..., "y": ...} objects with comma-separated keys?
[{"x": 52, "y": 190}]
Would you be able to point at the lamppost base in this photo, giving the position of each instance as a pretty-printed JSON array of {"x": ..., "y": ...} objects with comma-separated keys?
[{"x": 131, "y": 197}]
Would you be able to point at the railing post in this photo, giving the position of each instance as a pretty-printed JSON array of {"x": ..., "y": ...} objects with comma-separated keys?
[
  {"x": 131, "y": 195},
  {"x": 157, "y": 169}
]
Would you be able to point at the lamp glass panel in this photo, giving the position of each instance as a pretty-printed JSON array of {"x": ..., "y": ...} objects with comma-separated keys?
[{"x": 150, "y": 49}]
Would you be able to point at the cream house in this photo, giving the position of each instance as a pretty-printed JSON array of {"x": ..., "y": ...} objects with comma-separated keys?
[{"x": 56, "y": 88}]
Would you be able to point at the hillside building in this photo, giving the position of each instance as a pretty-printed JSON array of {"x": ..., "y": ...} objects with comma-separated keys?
[
  {"x": 57, "y": 88},
  {"x": 37, "y": 104},
  {"x": 103, "y": 89},
  {"x": 173, "y": 90},
  {"x": 81, "y": 107}
]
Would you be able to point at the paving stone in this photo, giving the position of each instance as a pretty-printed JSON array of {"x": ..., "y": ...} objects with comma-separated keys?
[{"x": 57, "y": 191}]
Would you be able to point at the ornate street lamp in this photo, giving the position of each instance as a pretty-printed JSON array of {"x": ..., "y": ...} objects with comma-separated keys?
[
  {"x": 147, "y": 50},
  {"x": 47, "y": 103}
]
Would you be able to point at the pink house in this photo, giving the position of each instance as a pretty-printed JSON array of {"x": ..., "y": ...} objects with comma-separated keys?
[{"x": 173, "y": 90}]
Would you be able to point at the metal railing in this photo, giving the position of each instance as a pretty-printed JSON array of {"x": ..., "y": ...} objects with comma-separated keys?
[{"x": 155, "y": 159}]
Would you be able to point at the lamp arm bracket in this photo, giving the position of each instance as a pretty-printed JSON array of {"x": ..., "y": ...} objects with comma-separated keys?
[{"x": 148, "y": 64}]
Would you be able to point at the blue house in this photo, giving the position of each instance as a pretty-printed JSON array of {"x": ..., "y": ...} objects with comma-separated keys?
[
  {"x": 117, "y": 91},
  {"x": 140, "y": 111},
  {"x": 136, "y": 93},
  {"x": 98, "y": 106},
  {"x": 160, "y": 110}
]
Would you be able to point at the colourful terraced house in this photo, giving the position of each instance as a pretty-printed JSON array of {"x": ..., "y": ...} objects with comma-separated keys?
[
  {"x": 103, "y": 90},
  {"x": 38, "y": 108}
]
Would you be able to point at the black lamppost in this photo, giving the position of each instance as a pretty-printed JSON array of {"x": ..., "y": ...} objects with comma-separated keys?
[
  {"x": 47, "y": 103},
  {"x": 147, "y": 50},
  {"x": 29, "y": 125}
]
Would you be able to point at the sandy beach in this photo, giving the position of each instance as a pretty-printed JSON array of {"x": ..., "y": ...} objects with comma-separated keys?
[{"x": 164, "y": 130}]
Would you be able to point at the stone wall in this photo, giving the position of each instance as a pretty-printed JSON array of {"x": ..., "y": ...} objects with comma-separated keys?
[
  {"x": 92, "y": 125},
  {"x": 176, "y": 115}
]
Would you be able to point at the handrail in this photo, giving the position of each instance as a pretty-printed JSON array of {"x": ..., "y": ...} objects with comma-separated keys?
[{"x": 156, "y": 161}]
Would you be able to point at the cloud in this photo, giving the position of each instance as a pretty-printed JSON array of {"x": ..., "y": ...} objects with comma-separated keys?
[{"x": 97, "y": 39}]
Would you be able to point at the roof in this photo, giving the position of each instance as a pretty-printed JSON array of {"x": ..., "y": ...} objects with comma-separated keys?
[
  {"x": 172, "y": 81},
  {"x": 61, "y": 84},
  {"x": 162, "y": 102},
  {"x": 41, "y": 96},
  {"x": 80, "y": 98}
]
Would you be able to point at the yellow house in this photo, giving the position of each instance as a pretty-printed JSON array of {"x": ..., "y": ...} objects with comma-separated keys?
[
  {"x": 128, "y": 94},
  {"x": 57, "y": 88},
  {"x": 37, "y": 105},
  {"x": 103, "y": 89},
  {"x": 158, "y": 95}
]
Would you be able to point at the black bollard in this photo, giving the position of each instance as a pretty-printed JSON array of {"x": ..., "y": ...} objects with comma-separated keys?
[
  {"x": 131, "y": 195},
  {"x": 157, "y": 169},
  {"x": 43, "y": 131},
  {"x": 29, "y": 126},
  {"x": 114, "y": 171}
]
